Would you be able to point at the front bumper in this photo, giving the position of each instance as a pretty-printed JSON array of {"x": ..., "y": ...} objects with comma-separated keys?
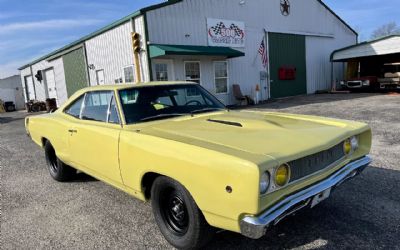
[{"x": 255, "y": 227}]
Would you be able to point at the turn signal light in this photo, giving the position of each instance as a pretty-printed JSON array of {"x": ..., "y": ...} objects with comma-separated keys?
[{"x": 282, "y": 175}]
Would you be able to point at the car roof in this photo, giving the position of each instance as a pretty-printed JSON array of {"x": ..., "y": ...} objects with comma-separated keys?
[{"x": 134, "y": 85}]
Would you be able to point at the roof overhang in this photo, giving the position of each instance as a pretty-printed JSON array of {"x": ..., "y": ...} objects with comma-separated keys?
[
  {"x": 383, "y": 46},
  {"x": 159, "y": 50}
]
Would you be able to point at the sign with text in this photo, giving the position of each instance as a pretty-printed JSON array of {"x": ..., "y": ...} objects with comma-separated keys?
[{"x": 225, "y": 33}]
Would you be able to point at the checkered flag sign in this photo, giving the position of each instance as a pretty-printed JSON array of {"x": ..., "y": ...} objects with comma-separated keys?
[
  {"x": 238, "y": 31},
  {"x": 217, "y": 29}
]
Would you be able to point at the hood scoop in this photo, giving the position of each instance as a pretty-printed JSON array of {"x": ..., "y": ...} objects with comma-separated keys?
[{"x": 235, "y": 124}]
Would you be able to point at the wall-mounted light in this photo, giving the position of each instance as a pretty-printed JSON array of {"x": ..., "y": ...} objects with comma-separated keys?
[
  {"x": 242, "y": 2},
  {"x": 91, "y": 67},
  {"x": 187, "y": 35}
]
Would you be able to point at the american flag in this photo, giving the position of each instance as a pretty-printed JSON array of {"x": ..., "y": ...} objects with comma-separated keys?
[{"x": 263, "y": 52}]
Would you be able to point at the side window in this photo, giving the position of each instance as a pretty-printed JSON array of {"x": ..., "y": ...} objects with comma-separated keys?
[
  {"x": 113, "y": 114},
  {"x": 96, "y": 106},
  {"x": 75, "y": 108}
]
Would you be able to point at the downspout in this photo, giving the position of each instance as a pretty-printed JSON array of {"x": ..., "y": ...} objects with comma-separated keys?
[
  {"x": 146, "y": 31},
  {"x": 86, "y": 64}
]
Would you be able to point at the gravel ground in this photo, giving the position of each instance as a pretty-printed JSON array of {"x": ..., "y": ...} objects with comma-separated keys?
[{"x": 39, "y": 213}]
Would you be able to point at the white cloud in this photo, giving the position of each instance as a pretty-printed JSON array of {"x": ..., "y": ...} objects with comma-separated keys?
[{"x": 47, "y": 24}]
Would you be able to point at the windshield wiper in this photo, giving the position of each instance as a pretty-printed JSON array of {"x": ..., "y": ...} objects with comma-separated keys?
[
  {"x": 161, "y": 116},
  {"x": 205, "y": 110}
]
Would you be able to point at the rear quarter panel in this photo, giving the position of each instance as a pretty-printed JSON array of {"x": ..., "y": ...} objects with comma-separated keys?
[{"x": 52, "y": 127}]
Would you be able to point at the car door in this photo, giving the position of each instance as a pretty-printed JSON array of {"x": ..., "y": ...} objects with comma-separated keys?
[{"x": 94, "y": 137}]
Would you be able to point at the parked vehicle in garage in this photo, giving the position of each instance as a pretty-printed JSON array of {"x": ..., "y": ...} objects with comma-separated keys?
[
  {"x": 391, "y": 77},
  {"x": 201, "y": 165},
  {"x": 361, "y": 83}
]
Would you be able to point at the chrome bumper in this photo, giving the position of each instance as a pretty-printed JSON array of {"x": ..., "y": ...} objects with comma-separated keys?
[{"x": 255, "y": 227}]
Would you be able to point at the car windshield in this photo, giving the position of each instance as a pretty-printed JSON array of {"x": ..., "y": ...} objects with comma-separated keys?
[{"x": 143, "y": 104}]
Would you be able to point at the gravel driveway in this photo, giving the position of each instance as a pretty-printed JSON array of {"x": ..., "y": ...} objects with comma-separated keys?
[{"x": 39, "y": 213}]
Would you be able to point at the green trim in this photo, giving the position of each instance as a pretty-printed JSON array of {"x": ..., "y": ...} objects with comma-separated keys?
[
  {"x": 103, "y": 30},
  {"x": 157, "y": 50},
  {"x": 363, "y": 43}
]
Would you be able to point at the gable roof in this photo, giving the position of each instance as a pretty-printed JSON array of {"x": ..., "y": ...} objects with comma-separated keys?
[{"x": 133, "y": 15}]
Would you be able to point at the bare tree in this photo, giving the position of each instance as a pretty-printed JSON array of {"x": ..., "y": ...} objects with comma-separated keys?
[{"x": 386, "y": 30}]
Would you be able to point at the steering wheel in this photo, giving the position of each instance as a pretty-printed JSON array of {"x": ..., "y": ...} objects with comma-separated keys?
[{"x": 193, "y": 101}]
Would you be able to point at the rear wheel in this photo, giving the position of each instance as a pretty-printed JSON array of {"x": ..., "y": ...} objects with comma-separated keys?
[
  {"x": 177, "y": 215},
  {"x": 58, "y": 170}
]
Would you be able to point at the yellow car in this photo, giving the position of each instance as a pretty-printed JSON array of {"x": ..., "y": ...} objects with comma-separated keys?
[{"x": 201, "y": 165}]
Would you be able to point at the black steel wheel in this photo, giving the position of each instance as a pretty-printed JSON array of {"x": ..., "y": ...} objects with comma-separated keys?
[
  {"x": 177, "y": 215},
  {"x": 58, "y": 170},
  {"x": 174, "y": 211}
]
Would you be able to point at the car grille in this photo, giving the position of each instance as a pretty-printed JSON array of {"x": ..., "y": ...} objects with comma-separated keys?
[
  {"x": 313, "y": 163},
  {"x": 354, "y": 84}
]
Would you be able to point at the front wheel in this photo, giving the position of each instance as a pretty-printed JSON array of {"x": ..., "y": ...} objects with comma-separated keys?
[
  {"x": 177, "y": 215},
  {"x": 59, "y": 171}
]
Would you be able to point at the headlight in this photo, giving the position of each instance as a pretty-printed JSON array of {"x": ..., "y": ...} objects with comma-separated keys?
[
  {"x": 365, "y": 83},
  {"x": 264, "y": 182},
  {"x": 350, "y": 145},
  {"x": 342, "y": 82},
  {"x": 282, "y": 175}
]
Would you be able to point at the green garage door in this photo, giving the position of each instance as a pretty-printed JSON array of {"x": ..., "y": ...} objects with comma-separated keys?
[
  {"x": 287, "y": 51},
  {"x": 75, "y": 71}
]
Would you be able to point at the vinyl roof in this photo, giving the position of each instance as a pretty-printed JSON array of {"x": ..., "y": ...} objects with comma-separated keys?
[{"x": 133, "y": 15}]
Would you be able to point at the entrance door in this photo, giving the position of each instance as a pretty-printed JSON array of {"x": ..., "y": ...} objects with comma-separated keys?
[
  {"x": 29, "y": 88},
  {"x": 163, "y": 70},
  {"x": 50, "y": 83},
  {"x": 287, "y": 51},
  {"x": 100, "y": 77}
]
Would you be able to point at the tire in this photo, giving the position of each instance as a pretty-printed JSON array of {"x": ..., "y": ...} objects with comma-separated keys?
[
  {"x": 177, "y": 215},
  {"x": 58, "y": 170}
]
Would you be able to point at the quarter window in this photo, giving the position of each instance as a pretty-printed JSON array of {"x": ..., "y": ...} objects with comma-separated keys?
[
  {"x": 96, "y": 106},
  {"x": 74, "y": 109},
  {"x": 113, "y": 112},
  {"x": 221, "y": 77}
]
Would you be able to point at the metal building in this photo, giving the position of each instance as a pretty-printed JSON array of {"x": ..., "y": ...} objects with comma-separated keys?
[{"x": 214, "y": 42}]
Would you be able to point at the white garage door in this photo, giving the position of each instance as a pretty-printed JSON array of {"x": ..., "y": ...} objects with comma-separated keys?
[
  {"x": 29, "y": 88},
  {"x": 51, "y": 83}
]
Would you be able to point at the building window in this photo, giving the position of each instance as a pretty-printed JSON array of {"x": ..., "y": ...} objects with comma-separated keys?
[
  {"x": 221, "y": 77},
  {"x": 161, "y": 71},
  {"x": 128, "y": 74},
  {"x": 192, "y": 74},
  {"x": 192, "y": 71}
]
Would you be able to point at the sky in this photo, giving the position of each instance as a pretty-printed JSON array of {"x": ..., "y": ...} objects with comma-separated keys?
[{"x": 31, "y": 28}]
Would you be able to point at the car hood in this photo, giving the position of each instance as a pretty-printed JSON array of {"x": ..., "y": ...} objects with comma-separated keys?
[{"x": 273, "y": 134}]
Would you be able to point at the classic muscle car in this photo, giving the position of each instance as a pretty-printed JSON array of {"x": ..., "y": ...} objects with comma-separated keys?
[{"x": 201, "y": 165}]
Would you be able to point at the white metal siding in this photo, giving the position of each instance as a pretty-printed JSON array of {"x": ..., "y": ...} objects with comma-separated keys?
[
  {"x": 111, "y": 52},
  {"x": 59, "y": 76},
  {"x": 171, "y": 24}
]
